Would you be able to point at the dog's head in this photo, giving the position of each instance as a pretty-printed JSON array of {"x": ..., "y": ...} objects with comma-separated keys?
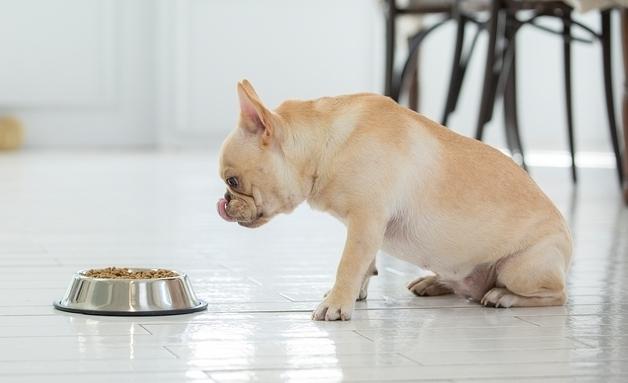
[{"x": 261, "y": 183}]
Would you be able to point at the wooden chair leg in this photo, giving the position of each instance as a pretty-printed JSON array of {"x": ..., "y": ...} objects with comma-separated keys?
[
  {"x": 511, "y": 118},
  {"x": 624, "y": 38},
  {"x": 464, "y": 64},
  {"x": 391, "y": 16},
  {"x": 401, "y": 80},
  {"x": 568, "y": 98},
  {"x": 455, "y": 79},
  {"x": 413, "y": 91},
  {"x": 488, "y": 88},
  {"x": 608, "y": 89}
]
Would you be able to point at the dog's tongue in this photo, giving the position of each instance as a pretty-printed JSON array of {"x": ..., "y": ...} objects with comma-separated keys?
[{"x": 221, "y": 206}]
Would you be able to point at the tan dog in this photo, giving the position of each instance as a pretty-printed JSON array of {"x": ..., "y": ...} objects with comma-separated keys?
[{"x": 403, "y": 184}]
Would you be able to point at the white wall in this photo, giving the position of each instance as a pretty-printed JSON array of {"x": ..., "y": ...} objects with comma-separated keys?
[
  {"x": 286, "y": 48},
  {"x": 78, "y": 72},
  {"x": 111, "y": 73}
]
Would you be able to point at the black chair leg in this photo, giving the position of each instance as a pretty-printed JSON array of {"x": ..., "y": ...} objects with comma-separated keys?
[
  {"x": 488, "y": 88},
  {"x": 511, "y": 118},
  {"x": 413, "y": 91},
  {"x": 568, "y": 98},
  {"x": 455, "y": 79},
  {"x": 404, "y": 79},
  {"x": 464, "y": 64},
  {"x": 608, "y": 88},
  {"x": 413, "y": 97},
  {"x": 391, "y": 16},
  {"x": 401, "y": 80}
]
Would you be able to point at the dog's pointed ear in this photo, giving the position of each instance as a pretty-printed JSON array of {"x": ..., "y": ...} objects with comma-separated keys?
[{"x": 254, "y": 116}]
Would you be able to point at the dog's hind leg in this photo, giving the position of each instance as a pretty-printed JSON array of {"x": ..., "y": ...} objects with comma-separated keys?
[
  {"x": 371, "y": 272},
  {"x": 429, "y": 286},
  {"x": 534, "y": 277}
]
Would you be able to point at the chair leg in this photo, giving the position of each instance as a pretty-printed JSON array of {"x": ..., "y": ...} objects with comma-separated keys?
[
  {"x": 511, "y": 118},
  {"x": 413, "y": 97},
  {"x": 391, "y": 15},
  {"x": 401, "y": 79},
  {"x": 404, "y": 79},
  {"x": 488, "y": 88},
  {"x": 413, "y": 91},
  {"x": 624, "y": 38},
  {"x": 608, "y": 88},
  {"x": 464, "y": 64},
  {"x": 568, "y": 98},
  {"x": 455, "y": 79}
]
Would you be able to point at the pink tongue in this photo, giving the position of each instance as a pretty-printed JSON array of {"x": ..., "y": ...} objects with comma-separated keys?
[{"x": 221, "y": 206}]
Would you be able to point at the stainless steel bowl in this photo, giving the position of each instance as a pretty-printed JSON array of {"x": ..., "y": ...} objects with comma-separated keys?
[{"x": 130, "y": 297}]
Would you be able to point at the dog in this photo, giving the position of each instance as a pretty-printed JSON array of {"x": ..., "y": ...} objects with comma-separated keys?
[{"x": 405, "y": 185}]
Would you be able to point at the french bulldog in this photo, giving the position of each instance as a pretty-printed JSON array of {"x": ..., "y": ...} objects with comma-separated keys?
[{"x": 405, "y": 185}]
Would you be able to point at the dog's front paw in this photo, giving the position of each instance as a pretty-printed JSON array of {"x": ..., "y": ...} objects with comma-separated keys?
[
  {"x": 361, "y": 297},
  {"x": 333, "y": 308}
]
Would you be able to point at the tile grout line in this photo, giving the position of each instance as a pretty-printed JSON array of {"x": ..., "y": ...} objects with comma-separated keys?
[
  {"x": 145, "y": 329},
  {"x": 208, "y": 375},
  {"x": 409, "y": 358},
  {"x": 70, "y": 336},
  {"x": 9, "y": 361},
  {"x": 255, "y": 281},
  {"x": 170, "y": 352},
  {"x": 287, "y": 297},
  {"x": 527, "y": 321},
  {"x": 537, "y": 377},
  {"x": 363, "y": 336},
  {"x": 581, "y": 342},
  {"x": 62, "y": 373}
]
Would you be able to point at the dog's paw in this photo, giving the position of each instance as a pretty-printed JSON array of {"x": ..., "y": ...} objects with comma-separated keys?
[
  {"x": 428, "y": 287},
  {"x": 361, "y": 297},
  {"x": 333, "y": 309},
  {"x": 363, "y": 294},
  {"x": 499, "y": 297}
]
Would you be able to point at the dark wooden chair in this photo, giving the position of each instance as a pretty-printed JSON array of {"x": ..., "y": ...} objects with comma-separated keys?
[
  {"x": 506, "y": 18},
  {"x": 404, "y": 80},
  {"x": 500, "y": 69},
  {"x": 399, "y": 81}
]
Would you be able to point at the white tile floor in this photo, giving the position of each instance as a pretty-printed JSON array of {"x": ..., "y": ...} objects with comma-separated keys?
[{"x": 63, "y": 212}]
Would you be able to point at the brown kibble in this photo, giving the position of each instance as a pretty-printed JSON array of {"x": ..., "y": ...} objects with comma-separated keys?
[{"x": 123, "y": 273}]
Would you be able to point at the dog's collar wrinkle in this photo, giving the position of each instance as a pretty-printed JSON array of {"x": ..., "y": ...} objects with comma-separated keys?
[
  {"x": 328, "y": 150},
  {"x": 317, "y": 165}
]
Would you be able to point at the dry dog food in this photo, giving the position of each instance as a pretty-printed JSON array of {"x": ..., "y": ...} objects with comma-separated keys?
[{"x": 122, "y": 273}]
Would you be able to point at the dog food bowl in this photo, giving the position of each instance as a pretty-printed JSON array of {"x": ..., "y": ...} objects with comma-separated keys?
[{"x": 130, "y": 297}]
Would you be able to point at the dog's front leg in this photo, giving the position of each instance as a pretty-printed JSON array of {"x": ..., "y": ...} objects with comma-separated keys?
[{"x": 364, "y": 238}]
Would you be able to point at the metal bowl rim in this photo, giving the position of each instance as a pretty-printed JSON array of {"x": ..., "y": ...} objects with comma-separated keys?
[
  {"x": 179, "y": 275},
  {"x": 201, "y": 306}
]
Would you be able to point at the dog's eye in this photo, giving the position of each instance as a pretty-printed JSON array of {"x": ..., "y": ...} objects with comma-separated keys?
[{"x": 233, "y": 182}]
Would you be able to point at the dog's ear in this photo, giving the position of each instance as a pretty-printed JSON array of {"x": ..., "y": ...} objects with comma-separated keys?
[{"x": 254, "y": 116}]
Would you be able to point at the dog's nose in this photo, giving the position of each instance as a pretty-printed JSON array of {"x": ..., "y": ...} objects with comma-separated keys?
[{"x": 228, "y": 197}]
